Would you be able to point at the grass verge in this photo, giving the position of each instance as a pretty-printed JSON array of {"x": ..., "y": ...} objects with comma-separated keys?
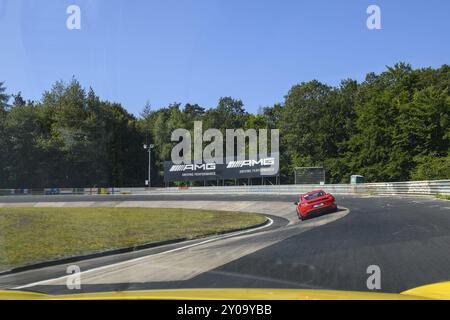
[
  {"x": 443, "y": 196},
  {"x": 33, "y": 235}
]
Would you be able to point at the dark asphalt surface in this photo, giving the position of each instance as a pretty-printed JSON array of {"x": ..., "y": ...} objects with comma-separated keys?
[
  {"x": 410, "y": 242},
  {"x": 408, "y": 238}
]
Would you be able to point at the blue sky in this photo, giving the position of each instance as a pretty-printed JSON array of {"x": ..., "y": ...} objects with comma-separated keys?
[{"x": 200, "y": 50}]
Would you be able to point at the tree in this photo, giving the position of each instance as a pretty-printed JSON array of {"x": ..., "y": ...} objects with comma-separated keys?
[
  {"x": 299, "y": 126},
  {"x": 373, "y": 151},
  {"x": 393, "y": 126},
  {"x": 4, "y": 98},
  {"x": 228, "y": 114},
  {"x": 23, "y": 157}
]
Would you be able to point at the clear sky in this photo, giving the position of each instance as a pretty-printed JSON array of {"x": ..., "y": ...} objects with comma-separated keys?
[{"x": 197, "y": 51}]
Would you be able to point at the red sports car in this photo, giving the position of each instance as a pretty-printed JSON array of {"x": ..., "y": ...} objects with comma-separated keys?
[{"x": 315, "y": 203}]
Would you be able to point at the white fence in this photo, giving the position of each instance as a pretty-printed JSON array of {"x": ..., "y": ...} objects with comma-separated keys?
[{"x": 395, "y": 188}]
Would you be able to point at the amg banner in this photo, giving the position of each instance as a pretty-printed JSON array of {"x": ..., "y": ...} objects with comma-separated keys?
[{"x": 243, "y": 169}]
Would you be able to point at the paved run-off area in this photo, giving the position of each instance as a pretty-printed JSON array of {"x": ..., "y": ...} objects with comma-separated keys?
[{"x": 408, "y": 238}]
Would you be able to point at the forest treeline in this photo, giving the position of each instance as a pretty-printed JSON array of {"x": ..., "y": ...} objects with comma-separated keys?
[{"x": 393, "y": 126}]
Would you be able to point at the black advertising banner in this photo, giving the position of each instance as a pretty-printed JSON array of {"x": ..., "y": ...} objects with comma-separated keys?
[{"x": 243, "y": 169}]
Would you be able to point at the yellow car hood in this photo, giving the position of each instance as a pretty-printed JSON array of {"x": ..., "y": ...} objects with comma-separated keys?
[{"x": 439, "y": 291}]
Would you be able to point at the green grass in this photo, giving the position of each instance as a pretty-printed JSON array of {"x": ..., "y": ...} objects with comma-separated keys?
[
  {"x": 443, "y": 196},
  {"x": 32, "y": 235}
]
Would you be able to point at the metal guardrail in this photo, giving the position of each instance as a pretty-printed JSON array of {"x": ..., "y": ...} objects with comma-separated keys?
[{"x": 395, "y": 188}]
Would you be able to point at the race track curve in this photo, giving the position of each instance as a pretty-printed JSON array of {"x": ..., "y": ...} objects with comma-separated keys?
[{"x": 408, "y": 238}]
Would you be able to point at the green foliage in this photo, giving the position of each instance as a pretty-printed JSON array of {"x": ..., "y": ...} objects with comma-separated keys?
[
  {"x": 394, "y": 126},
  {"x": 70, "y": 139},
  {"x": 432, "y": 168},
  {"x": 4, "y": 98},
  {"x": 443, "y": 196},
  {"x": 399, "y": 117}
]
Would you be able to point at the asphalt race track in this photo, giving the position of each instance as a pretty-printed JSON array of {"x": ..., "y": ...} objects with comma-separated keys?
[{"x": 408, "y": 238}]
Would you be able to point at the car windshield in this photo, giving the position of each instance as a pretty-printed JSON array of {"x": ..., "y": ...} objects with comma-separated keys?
[{"x": 167, "y": 145}]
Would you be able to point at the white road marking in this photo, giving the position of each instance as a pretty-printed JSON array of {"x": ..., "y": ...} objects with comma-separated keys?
[{"x": 145, "y": 257}]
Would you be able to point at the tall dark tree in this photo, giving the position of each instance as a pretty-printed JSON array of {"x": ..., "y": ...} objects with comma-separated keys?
[{"x": 4, "y": 98}]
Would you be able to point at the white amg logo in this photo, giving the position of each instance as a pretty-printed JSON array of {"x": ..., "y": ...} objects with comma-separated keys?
[
  {"x": 251, "y": 163},
  {"x": 193, "y": 167}
]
